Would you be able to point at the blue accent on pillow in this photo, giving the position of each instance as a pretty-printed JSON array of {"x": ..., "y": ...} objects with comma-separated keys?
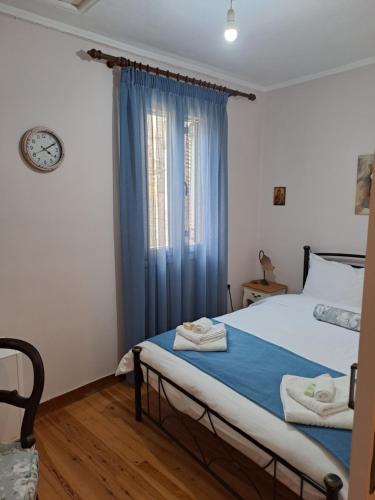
[{"x": 254, "y": 368}]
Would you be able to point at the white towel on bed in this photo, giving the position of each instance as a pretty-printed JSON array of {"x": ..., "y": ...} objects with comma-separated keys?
[
  {"x": 182, "y": 344},
  {"x": 201, "y": 325},
  {"x": 216, "y": 332},
  {"x": 295, "y": 387},
  {"x": 325, "y": 389},
  {"x": 297, "y": 413}
]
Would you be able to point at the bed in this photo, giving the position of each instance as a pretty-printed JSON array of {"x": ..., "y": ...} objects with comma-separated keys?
[{"x": 299, "y": 462}]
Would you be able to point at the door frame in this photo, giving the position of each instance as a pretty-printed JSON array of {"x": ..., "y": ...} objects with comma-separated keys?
[{"x": 364, "y": 416}]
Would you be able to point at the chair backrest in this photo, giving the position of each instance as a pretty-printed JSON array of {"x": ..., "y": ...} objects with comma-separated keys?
[{"x": 31, "y": 403}]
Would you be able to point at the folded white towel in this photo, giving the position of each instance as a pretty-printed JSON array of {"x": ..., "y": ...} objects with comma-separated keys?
[
  {"x": 202, "y": 325},
  {"x": 297, "y": 413},
  {"x": 216, "y": 332},
  {"x": 182, "y": 344},
  {"x": 295, "y": 387},
  {"x": 325, "y": 389}
]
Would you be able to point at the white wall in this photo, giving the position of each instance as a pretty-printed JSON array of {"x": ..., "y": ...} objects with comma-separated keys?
[
  {"x": 57, "y": 257},
  {"x": 57, "y": 280},
  {"x": 312, "y": 137},
  {"x": 244, "y": 133}
]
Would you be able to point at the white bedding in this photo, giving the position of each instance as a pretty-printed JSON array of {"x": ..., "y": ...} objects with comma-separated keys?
[{"x": 285, "y": 320}]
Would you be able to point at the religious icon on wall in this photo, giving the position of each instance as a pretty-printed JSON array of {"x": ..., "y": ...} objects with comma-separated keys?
[
  {"x": 365, "y": 169},
  {"x": 279, "y": 194}
]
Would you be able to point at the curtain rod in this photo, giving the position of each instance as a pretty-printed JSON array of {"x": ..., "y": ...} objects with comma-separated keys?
[{"x": 113, "y": 61}]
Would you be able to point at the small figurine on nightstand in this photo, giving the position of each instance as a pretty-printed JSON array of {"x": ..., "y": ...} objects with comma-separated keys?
[{"x": 260, "y": 289}]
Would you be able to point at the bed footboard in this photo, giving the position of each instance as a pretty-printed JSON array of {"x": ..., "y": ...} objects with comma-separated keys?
[{"x": 332, "y": 483}]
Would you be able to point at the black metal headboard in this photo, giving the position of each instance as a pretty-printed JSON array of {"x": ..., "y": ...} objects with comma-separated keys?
[{"x": 355, "y": 260}]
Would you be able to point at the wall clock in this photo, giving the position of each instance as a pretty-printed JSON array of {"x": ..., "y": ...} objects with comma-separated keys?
[{"x": 42, "y": 149}]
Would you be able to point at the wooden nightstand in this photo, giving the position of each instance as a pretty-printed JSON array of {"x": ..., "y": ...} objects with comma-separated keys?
[{"x": 253, "y": 291}]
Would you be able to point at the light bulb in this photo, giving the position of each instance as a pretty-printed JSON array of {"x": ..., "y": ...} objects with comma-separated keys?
[
  {"x": 230, "y": 34},
  {"x": 231, "y": 31}
]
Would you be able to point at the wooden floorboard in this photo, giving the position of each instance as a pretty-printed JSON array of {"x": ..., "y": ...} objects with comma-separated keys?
[{"x": 92, "y": 448}]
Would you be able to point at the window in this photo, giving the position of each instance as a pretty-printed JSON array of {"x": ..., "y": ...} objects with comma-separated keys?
[
  {"x": 191, "y": 162},
  {"x": 157, "y": 178}
]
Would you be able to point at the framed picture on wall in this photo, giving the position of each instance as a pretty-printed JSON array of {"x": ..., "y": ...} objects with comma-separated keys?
[
  {"x": 279, "y": 195},
  {"x": 365, "y": 169}
]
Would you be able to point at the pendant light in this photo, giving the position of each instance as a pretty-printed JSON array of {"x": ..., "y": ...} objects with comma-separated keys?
[{"x": 230, "y": 32}]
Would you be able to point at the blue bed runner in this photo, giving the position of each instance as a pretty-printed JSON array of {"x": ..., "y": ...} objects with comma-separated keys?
[{"x": 254, "y": 368}]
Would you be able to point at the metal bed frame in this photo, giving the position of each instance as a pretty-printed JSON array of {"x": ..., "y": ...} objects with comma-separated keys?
[{"x": 332, "y": 483}]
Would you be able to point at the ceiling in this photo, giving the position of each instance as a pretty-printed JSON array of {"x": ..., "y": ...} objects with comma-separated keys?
[{"x": 280, "y": 42}]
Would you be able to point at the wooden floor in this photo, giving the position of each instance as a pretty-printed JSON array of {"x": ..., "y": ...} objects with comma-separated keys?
[{"x": 92, "y": 448}]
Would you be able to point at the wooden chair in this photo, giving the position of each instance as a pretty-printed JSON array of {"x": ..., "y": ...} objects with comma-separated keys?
[{"x": 19, "y": 461}]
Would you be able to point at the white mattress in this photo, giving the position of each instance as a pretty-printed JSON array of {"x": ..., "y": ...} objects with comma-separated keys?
[{"x": 285, "y": 320}]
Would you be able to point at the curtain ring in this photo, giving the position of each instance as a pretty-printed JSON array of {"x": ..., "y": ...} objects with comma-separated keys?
[{"x": 157, "y": 71}]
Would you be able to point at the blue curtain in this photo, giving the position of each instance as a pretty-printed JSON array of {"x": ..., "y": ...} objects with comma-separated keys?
[{"x": 173, "y": 203}]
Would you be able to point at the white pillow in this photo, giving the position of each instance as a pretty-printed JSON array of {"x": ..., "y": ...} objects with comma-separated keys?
[{"x": 333, "y": 282}]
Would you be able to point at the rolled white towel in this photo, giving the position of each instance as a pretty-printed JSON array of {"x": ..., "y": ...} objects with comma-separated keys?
[
  {"x": 325, "y": 389},
  {"x": 216, "y": 332},
  {"x": 202, "y": 325},
  {"x": 295, "y": 387}
]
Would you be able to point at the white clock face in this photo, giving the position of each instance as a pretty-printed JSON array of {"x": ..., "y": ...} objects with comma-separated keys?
[{"x": 43, "y": 150}]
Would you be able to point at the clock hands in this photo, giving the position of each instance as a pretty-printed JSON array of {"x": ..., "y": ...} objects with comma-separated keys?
[
  {"x": 43, "y": 149},
  {"x": 46, "y": 149}
]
